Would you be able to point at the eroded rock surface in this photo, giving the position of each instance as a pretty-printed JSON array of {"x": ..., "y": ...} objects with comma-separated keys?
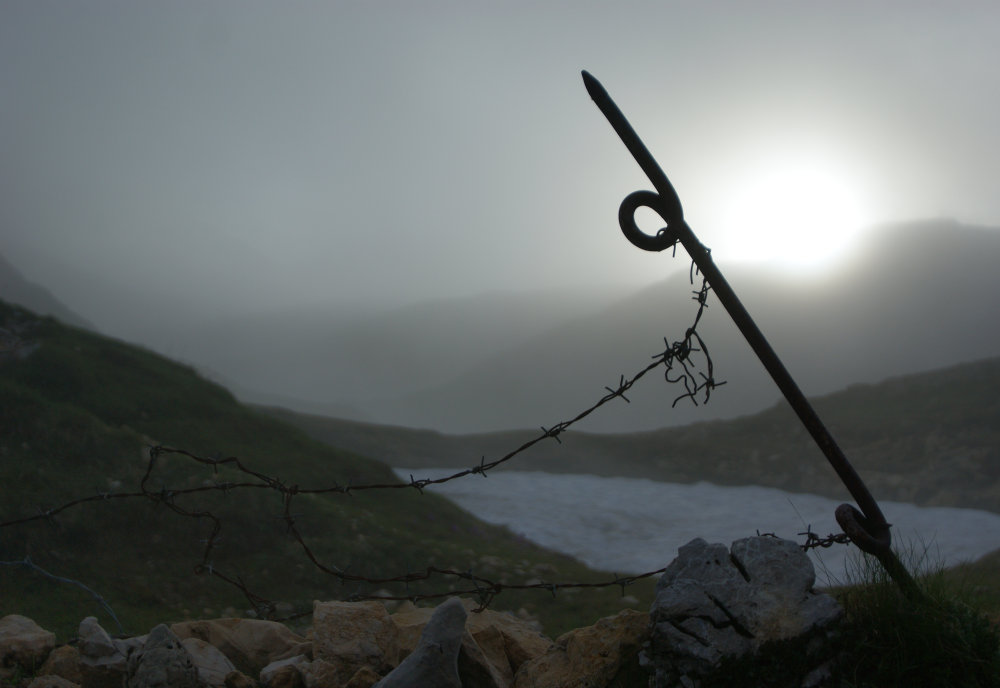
[
  {"x": 434, "y": 662},
  {"x": 250, "y": 644},
  {"x": 716, "y": 604},
  {"x": 605, "y": 655},
  {"x": 23, "y": 642},
  {"x": 163, "y": 662}
]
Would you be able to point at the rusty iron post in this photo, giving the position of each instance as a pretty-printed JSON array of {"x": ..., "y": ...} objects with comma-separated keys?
[{"x": 867, "y": 528}]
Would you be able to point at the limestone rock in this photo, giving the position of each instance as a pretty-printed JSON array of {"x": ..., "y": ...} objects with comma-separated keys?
[
  {"x": 237, "y": 679},
  {"x": 102, "y": 663},
  {"x": 127, "y": 646},
  {"x": 350, "y": 635},
  {"x": 605, "y": 654},
  {"x": 23, "y": 642},
  {"x": 519, "y": 639},
  {"x": 482, "y": 662},
  {"x": 285, "y": 677},
  {"x": 95, "y": 642},
  {"x": 52, "y": 681},
  {"x": 365, "y": 677},
  {"x": 284, "y": 673},
  {"x": 714, "y": 604},
  {"x": 161, "y": 663},
  {"x": 250, "y": 644},
  {"x": 322, "y": 674},
  {"x": 63, "y": 661},
  {"x": 212, "y": 665},
  {"x": 494, "y": 645},
  {"x": 434, "y": 662}
]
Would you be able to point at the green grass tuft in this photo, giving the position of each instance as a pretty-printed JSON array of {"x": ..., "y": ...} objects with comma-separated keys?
[{"x": 944, "y": 639}]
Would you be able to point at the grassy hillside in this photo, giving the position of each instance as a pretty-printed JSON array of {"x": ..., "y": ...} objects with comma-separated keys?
[
  {"x": 78, "y": 413},
  {"x": 930, "y": 439}
]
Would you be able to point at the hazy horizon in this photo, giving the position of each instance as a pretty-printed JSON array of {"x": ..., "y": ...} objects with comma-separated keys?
[{"x": 169, "y": 166}]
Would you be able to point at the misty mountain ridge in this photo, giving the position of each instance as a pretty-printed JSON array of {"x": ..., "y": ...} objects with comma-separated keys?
[
  {"x": 913, "y": 297},
  {"x": 916, "y": 297},
  {"x": 16, "y": 288}
]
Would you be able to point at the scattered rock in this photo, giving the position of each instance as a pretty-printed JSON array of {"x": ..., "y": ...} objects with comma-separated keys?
[
  {"x": 127, "y": 646},
  {"x": 94, "y": 640},
  {"x": 23, "y": 642},
  {"x": 237, "y": 679},
  {"x": 102, "y": 664},
  {"x": 250, "y": 644},
  {"x": 714, "y": 607},
  {"x": 322, "y": 674},
  {"x": 63, "y": 661},
  {"x": 285, "y": 677},
  {"x": 494, "y": 645},
  {"x": 479, "y": 665},
  {"x": 351, "y": 635},
  {"x": 482, "y": 662},
  {"x": 434, "y": 662},
  {"x": 605, "y": 654},
  {"x": 284, "y": 673},
  {"x": 212, "y": 665},
  {"x": 365, "y": 677},
  {"x": 161, "y": 663},
  {"x": 522, "y": 641}
]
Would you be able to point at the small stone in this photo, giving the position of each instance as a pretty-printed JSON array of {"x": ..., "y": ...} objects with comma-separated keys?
[
  {"x": 63, "y": 661},
  {"x": 322, "y": 674},
  {"x": 161, "y": 663},
  {"x": 494, "y": 645},
  {"x": 285, "y": 673},
  {"x": 23, "y": 642},
  {"x": 605, "y": 654},
  {"x": 350, "y": 635},
  {"x": 286, "y": 677},
  {"x": 365, "y": 677},
  {"x": 250, "y": 644},
  {"x": 102, "y": 664},
  {"x": 212, "y": 665},
  {"x": 237, "y": 679},
  {"x": 94, "y": 640},
  {"x": 435, "y": 660}
]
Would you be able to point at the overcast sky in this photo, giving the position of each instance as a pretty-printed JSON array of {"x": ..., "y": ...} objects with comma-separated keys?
[{"x": 245, "y": 155}]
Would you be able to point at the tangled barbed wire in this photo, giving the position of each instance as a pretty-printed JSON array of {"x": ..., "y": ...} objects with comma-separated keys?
[{"x": 686, "y": 361}]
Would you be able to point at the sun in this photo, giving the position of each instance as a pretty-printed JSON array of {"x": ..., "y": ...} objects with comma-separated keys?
[{"x": 800, "y": 213}]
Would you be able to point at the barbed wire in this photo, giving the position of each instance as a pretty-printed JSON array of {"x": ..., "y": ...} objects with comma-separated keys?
[
  {"x": 103, "y": 603},
  {"x": 686, "y": 361},
  {"x": 813, "y": 540}
]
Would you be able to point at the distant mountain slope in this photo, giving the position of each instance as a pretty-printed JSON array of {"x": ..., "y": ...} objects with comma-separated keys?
[
  {"x": 77, "y": 414},
  {"x": 918, "y": 296},
  {"x": 15, "y": 288},
  {"x": 915, "y": 297},
  {"x": 346, "y": 361},
  {"x": 930, "y": 438}
]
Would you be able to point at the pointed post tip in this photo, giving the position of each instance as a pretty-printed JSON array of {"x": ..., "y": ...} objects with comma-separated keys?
[{"x": 592, "y": 84}]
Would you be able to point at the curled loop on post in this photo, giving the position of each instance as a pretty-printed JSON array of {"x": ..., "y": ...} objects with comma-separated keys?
[
  {"x": 869, "y": 535},
  {"x": 669, "y": 210}
]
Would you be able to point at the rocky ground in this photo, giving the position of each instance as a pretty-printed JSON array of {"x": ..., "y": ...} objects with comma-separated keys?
[
  {"x": 350, "y": 645},
  {"x": 713, "y": 605}
]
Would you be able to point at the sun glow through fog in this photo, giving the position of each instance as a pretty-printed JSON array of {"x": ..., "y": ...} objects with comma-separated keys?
[{"x": 799, "y": 213}]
